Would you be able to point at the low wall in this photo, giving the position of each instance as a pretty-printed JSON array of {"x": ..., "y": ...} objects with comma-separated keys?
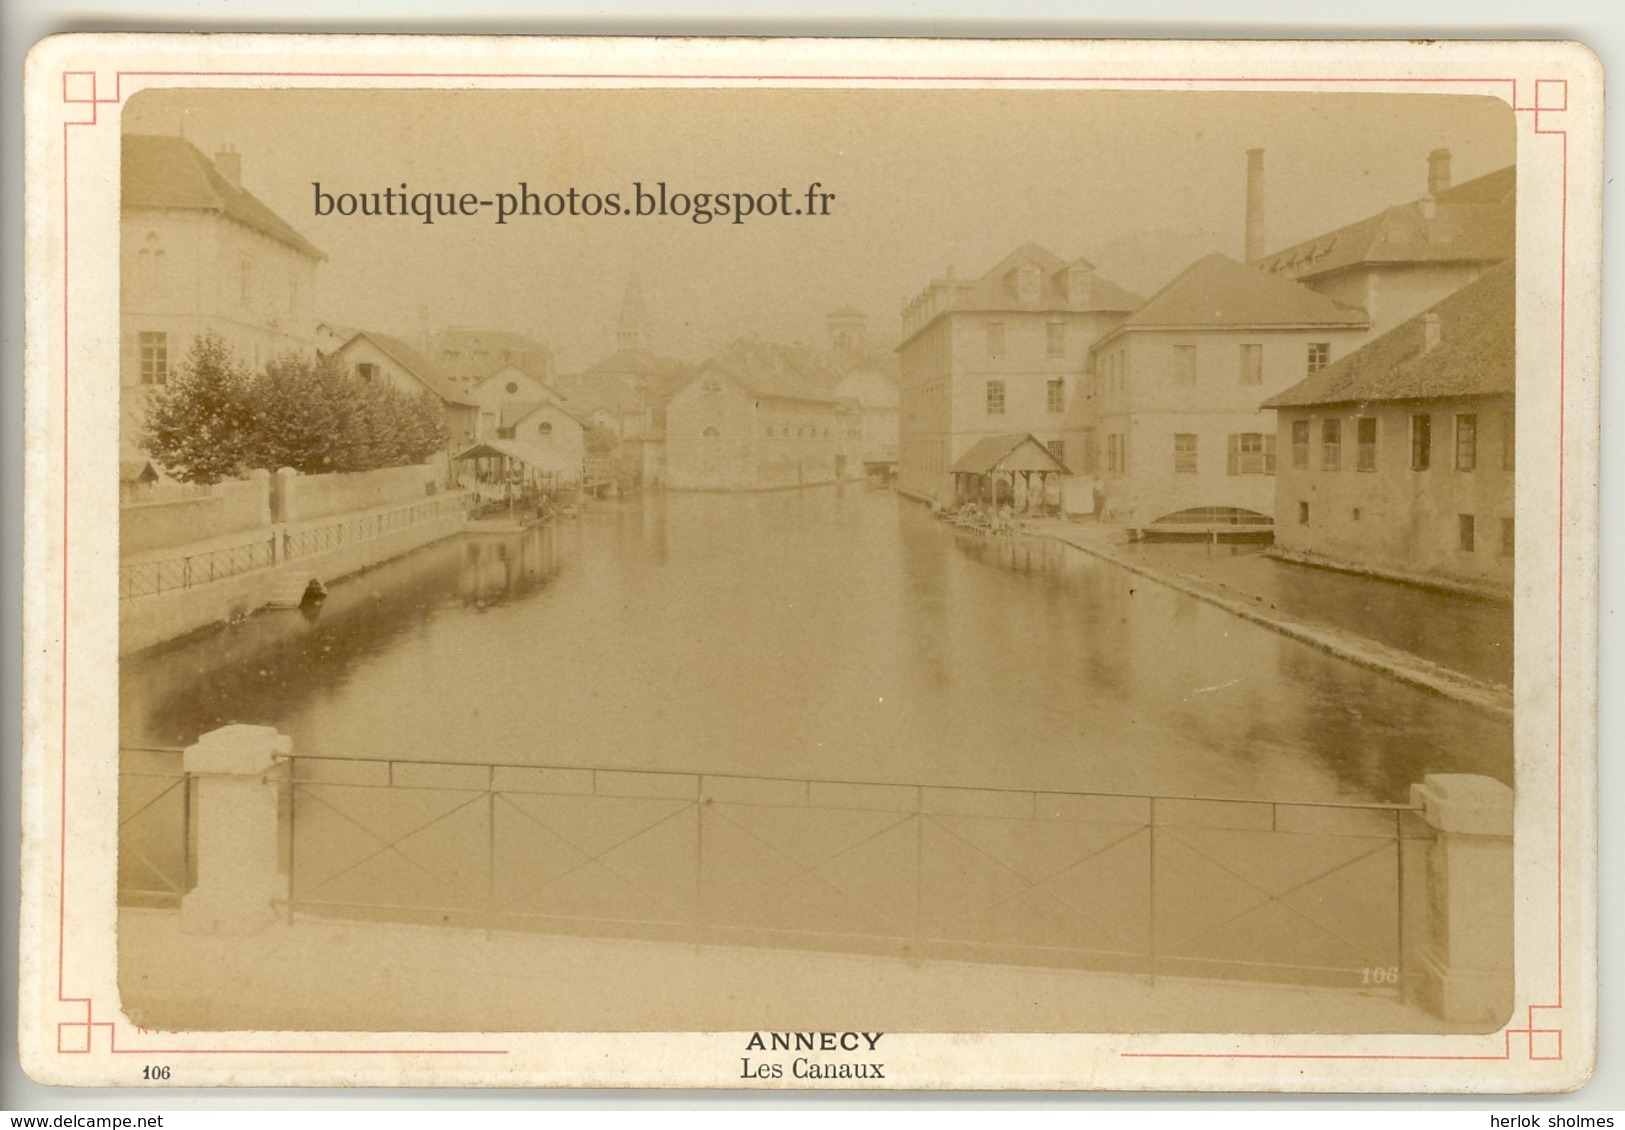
[
  {"x": 226, "y": 508},
  {"x": 149, "y": 620},
  {"x": 303, "y": 498}
]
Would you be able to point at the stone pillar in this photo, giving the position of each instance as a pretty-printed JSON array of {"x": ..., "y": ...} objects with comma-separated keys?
[
  {"x": 283, "y": 506},
  {"x": 261, "y": 478},
  {"x": 238, "y": 880},
  {"x": 1461, "y": 967}
]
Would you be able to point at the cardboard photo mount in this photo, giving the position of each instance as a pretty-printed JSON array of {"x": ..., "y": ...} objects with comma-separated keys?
[{"x": 74, "y": 1028}]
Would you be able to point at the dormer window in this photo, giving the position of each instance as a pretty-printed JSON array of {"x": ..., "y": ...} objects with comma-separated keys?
[
  {"x": 1077, "y": 283},
  {"x": 1027, "y": 283}
]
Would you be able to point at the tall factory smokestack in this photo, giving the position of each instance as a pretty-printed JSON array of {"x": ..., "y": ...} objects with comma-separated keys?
[
  {"x": 1255, "y": 205},
  {"x": 1438, "y": 171}
]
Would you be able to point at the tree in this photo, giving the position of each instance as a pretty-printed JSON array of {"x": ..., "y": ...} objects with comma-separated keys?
[
  {"x": 312, "y": 414},
  {"x": 199, "y": 425},
  {"x": 319, "y": 417},
  {"x": 296, "y": 423},
  {"x": 600, "y": 440}
]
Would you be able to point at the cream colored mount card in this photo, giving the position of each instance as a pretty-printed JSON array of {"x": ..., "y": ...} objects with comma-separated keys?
[{"x": 850, "y": 564}]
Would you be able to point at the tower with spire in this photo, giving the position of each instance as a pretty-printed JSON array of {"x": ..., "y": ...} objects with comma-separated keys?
[{"x": 632, "y": 332}]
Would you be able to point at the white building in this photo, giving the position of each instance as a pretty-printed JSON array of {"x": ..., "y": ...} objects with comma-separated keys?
[{"x": 199, "y": 254}]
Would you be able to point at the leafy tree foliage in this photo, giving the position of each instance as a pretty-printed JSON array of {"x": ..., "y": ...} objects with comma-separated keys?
[
  {"x": 311, "y": 414},
  {"x": 200, "y": 424},
  {"x": 601, "y": 440}
]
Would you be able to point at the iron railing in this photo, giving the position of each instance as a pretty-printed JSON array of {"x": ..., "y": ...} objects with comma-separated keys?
[
  {"x": 266, "y": 550},
  {"x": 149, "y": 578},
  {"x": 155, "y": 812},
  {"x": 1312, "y": 892}
]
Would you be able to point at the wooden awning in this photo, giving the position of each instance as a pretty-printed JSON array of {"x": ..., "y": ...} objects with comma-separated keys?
[
  {"x": 1016, "y": 451},
  {"x": 530, "y": 454}
]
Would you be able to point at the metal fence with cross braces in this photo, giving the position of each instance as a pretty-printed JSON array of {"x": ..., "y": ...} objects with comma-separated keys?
[{"x": 1315, "y": 892}]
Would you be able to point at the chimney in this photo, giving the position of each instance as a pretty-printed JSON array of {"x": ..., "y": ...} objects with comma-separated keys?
[
  {"x": 230, "y": 164},
  {"x": 1438, "y": 171},
  {"x": 1255, "y": 205},
  {"x": 1430, "y": 332}
]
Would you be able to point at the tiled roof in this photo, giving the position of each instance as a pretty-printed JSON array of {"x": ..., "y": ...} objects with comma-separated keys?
[
  {"x": 996, "y": 290},
  {"x": 1218, "y": 292},
  {"x": 770, "y": 370},
  {"x": 987, "y": 453},
  {"x": 416, "y": 364},
  {"x": 1473, "y": 357},
  {"x": 170, "y": 172},
  {"x": 1472, "y": 222},
  {"x": 475, "y": 354}
]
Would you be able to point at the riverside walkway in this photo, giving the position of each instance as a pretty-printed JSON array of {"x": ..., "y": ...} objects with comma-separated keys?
[{"x": 1242, "y": 587}]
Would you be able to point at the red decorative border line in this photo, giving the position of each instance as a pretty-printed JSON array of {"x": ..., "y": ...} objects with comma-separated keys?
[{"x": 1550, "y": 97}]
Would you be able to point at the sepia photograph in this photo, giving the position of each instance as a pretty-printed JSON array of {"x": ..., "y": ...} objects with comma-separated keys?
[{"x": 822, "y": 562}]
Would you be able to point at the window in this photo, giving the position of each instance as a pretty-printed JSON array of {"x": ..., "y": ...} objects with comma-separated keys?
[
  {"x": 154, "y": 358},
  {"x": 1252, "y": 453},
  {"x": 293, "y": 298},
  {"x": 1252, "y": 364},
  {"x": 512, "y": 387},
  {"x": 1184, "y": 364},
  {"x": 1300, "y": 445},
  {"x": 710, "y": 385},
  {"x": 995, "y": 339},
  {"x": 150, "y": 268},
  {"x": 1320, "y": 355},
  {"x": 1466, "y": 441},
  {"x": 545, "y": 428},
  {"x": 1056, "y": 391},
  {"x": 1464, "y": 532},
  {"x": 1509, "y": 441},
  {"x": 1365, "y": 436},
  {"x": 1303, "y": 513},
  {"x": 246, "y": 277},
  {"x": 1506, "y": 537},
  {"x": 711, "y": 433},
  {"x": 1055, "y": 339},
  {"x": 1057, "y": 448},
  {"x": 1091, "y": 454},
  {"x": 995, "y": 398},
  {"x": 1114, "y": 453},
  {"x": 1027, "y": 283},
  {"x": 1421, "y": 442},
  {"x": 1331, "y": 445},
  {"x": 1184, "y": 453},
  {"x": 367, "y": 371}
]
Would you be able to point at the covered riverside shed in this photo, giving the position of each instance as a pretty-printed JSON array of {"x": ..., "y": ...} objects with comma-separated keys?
[
  {"x": 509, "y": 470},
  {"x": 997, "y": 460}
]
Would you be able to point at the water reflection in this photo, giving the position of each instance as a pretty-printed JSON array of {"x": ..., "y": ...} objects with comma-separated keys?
[{"x": 821, "y": 633}]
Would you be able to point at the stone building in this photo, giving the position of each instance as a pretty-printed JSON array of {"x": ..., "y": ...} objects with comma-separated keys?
[
  {"x": 1398, "y": 459},
  {"x": 1000, "y": 354},
  {"x": 200, "y": 254},
  {"x": 1403, "y": 259},
  {"x": 467, "y": 356},
  {"x": 497, "y": 393},
  {"x": 554, "y": 434},
  {"x": 864, "y": 375},
  {"x": 750, "y": 420},
  {"x": 375, "y": 356},
  {"x": 1170, "y": 424}
]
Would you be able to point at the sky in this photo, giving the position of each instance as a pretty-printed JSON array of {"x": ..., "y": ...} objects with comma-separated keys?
[{"x": 1140, "y": 183}]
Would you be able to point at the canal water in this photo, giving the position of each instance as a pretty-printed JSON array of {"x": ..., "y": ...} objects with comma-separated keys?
[{"x": 828, "y": 633}]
